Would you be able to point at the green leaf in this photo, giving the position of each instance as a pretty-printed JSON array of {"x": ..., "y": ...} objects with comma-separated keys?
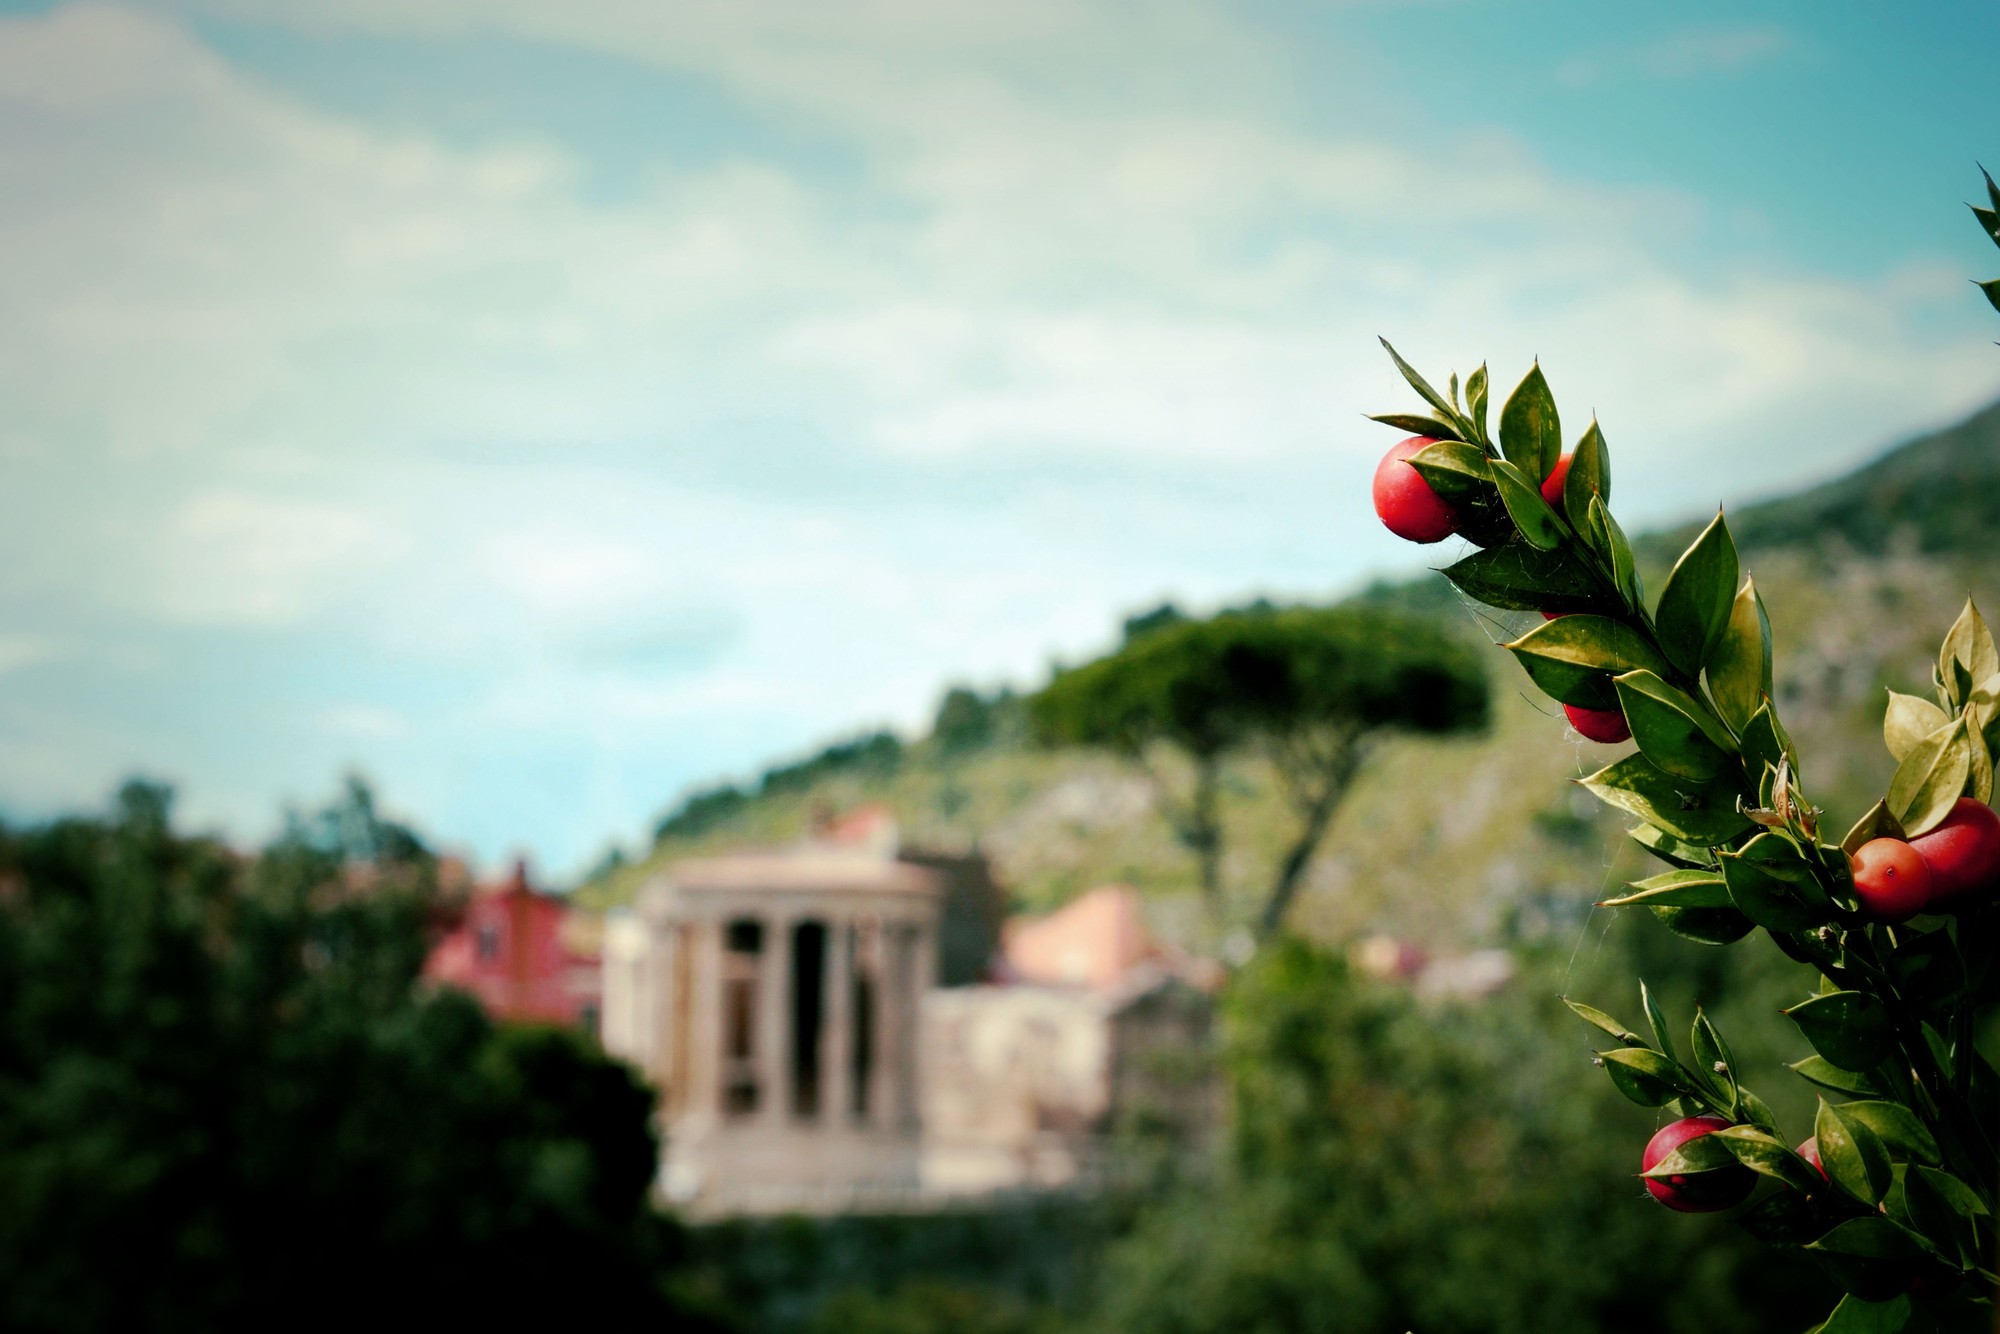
[
  {"x": 1739, "y": 664},
  {"x": 1930, "y": 778},
  {"x": 1713, "y": 1064},
  {"x": 1475, "y": 400},
  {"x": 1671, "y": 850},
  {"x": 1991, "y": 290},
  {"x": 1871, "y": 1237},
  {"x": 1455, "y": 470},
  {"x": 1935, "y": 1214},
  {"x": 1692, "y": 1158},
  {"x": 1417, "y": 423},
  {"x": 1589, "y": 477},
  {"x": 1675, "y": 889},
  {"x": 1855, "y": 1316},
  {"x": 1598, "y": 1019},
  {"x": 1417, "y": 382},
  {"x": 1673, "y": 729},
  {"x": 1643, "y": 1075},
  {"x": 1704, "y": 814},
  {"x": 1705, "y": 926},
  {"x": 1908, "y": 720},
  {"x": 1848, "y": 1028},
  {"x": 1610, "y": 539},
  {"x": 1530, "y": 432},
  {"x": 1540, "y": 526},
  {"x": 1784, "y": 1218},
  {"x": 1818, "y": 1070},
  {"x": 1758, "y": 1112},
  {"x": 1897, "y": 1127},
  {"x": 1518, "y": 577},
  {"x": 1655, "y": 1020},
  {"x": 1960, "y": 1197},
  {"x": 1927, "y": 967},
  {"x": 1969, "y": 644},
  {"x": 1878, "y": 823},
  {"x": 1769, "y": 900},
  {"x": 1853, "y": 1157},
  {"x": 1695, "y": 604},
  {"x": 1575, "y": 657},
  {"x": 1765, "y": 1154}
]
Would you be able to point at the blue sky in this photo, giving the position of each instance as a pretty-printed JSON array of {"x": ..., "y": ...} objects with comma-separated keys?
[{"x": 542, "y": 408}]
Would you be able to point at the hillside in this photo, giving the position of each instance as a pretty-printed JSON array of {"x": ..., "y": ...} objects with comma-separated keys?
[{"x": 1453, "y": 842}]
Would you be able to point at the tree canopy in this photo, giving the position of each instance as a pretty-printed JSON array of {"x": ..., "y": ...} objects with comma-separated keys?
[{"x": 1307, "y": 685}]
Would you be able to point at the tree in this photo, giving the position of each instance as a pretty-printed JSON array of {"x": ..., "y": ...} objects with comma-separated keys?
[
  {"x": 225, "y": 1103},
  {"x": 1314, "y": 689}
]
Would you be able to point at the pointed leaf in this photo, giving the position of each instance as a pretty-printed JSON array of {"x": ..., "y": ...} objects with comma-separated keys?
[
  {"x": 1674, "y": 730},
  {"x": 1713, "y": 1064},
  {"x": 1530, "y": 432},
  {"x": 1757, "y": 1112},
  {"x": 1475, "y": 401},
  {"x": 1693, "y": 1157},
  {"x": 1739, "y": 664},
  {"x": 1908, "y": 720},
  {"x": 1704, "y": 814},
  {"x": 1417, "y": 382},
  {"x": 1931, "y": 778},
  {"x": 1855, "y": 1316},
  {"x": 1970, "y": 644},
  {"x": 1597, "y": 1018},
  {"x": 1818, "y": 1070},
  {"x": 1848, "y": 1028},
  {"x": 1785, "y": 1218},
  {"x": 1574, "y": 658},
  {"x": 1643, "y": 1075},
  {"x": 1765, "y": 742},
  {"x": 1416, "y": 423},
  {"x": 1610, "y": 539},
  {"x": 1675, "y": 889},
  {"x": 1705, "y": 926},
  {"x": 1767, "y": 899},
  {"x": 1878, "y": 823},
  {"x": 1897, "y": 1127},
  {"x": 1518, "y": 577},
  {"x": 1540, "y": 526},
  {"x": 1931, "y": 1213},
  {"x": 1853, "y": 1157},
  {"x": 1671, "y": 850},
  {"x": 1589, "y": 477},
  {"x": 1696, "y": 602},
  {"x": 1655, "y": 1020},
  {"x": 1765, "y": 1154}
]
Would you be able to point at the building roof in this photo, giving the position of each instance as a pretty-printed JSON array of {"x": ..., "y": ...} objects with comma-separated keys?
[
  {"x": 1092, "y": 942},
  {"x": 819, "y": 870}
]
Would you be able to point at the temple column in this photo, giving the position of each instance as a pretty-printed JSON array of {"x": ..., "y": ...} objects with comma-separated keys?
[
  {"x": 882, "y": 1037},
  {"x": 774, "y": 1022},
  {"x": 702, "y": 1076},
  {"x": 837, "y": 1049},
  {"x": 923, "y": 977}
]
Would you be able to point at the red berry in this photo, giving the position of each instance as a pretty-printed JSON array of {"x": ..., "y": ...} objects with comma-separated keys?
[
  {"x": 1701, "y": 1192},
  {"x": 1553, "y": 615},
  {"x": 1809, "y": 1151},
  {"x": 1891, "y": 879},
  {"x": 1963, "y": 852},
  {"x": 1603, "y": 725},
  {"x": 1552, "y": 485},
  {"x": 1404, "y": 500}
]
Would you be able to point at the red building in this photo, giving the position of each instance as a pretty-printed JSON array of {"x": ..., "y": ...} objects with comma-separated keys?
[{"x": 523, "y": 954}]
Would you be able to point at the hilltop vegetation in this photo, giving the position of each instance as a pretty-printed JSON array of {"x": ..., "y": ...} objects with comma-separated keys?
[{"x": 1451, "y": 841}]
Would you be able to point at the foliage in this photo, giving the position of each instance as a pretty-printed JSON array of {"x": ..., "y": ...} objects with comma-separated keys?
[
  {"x": 873, "y": 754},
  {"x": 1309, "y": 686},
  {"x": 225, "y": 1104},
  {"x": 1716, "y": 787},
  {"x": 1396, "y": 1165}
]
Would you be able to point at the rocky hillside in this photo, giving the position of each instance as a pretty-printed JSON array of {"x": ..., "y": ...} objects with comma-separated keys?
[{"x": 1452, "y": 842}]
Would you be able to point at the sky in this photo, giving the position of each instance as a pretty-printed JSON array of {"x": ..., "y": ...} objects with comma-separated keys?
[{"x": 544, "y": 408}]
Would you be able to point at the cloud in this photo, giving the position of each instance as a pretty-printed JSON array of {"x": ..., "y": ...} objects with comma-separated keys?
[
  {"x": 749, "y": 452},
  {"x": 1684, "y": 54}
]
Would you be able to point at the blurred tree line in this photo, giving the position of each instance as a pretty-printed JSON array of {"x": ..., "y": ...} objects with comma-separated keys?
[{"x": 226, "y": 1103}]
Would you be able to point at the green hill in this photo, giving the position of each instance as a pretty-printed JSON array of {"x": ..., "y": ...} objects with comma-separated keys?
[{"x": 1451, "y": 842}]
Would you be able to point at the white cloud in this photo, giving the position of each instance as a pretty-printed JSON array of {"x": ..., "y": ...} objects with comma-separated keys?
[{"x": 1684, "y": 54}]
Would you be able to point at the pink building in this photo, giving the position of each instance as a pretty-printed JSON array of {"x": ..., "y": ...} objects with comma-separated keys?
[{"x": 520, "y": 954}]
